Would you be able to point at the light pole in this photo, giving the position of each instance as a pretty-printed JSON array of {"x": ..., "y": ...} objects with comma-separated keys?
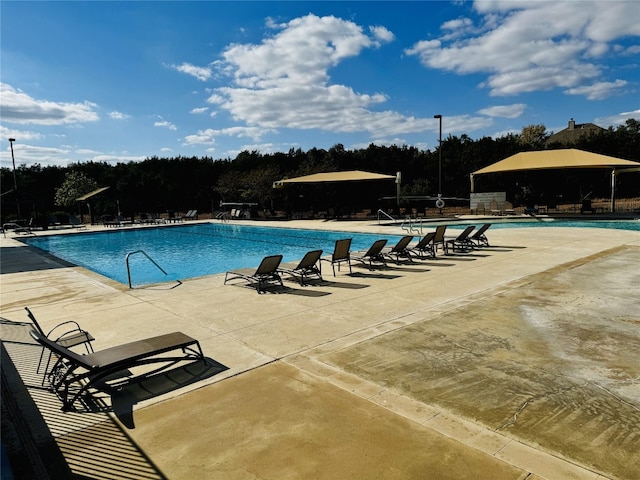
[
  {"x": 439, "y": 117},
  {"x": 15, "y": 182}
]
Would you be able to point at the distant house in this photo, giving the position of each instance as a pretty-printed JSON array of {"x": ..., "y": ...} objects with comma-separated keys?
[{"x": 573, "y": 132}]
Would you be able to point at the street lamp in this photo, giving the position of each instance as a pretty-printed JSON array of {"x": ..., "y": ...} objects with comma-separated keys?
[
  {"x": 439, "y": 117},
  {"x": 15, "y": 182}
]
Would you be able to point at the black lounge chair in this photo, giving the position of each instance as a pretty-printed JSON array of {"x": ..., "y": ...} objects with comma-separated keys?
[
  {"x": 373, "y": 255},
  {"x": 439, "y": 239},
  {"x": 309, "y": 266},
  {"x": 75, "y": 222},
  {"x": 340, "y": 254},
  {"x": 67, "y": 334},
  {"x": 479, "y": 237},
  {"x": 73, "y": 374},
  {"x": 425, "y": 247},
  {"x": 267, "y": 272},
  {"x": 400, "y": 249},
  {"x": 461, "y": 242}
]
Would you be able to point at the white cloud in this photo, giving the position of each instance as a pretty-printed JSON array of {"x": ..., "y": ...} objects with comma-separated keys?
[
  {"x": 18, "y": 107},
  {"x": 86, "y": 151},
  {"x": 619, "y": 119},
  {"x": 19, "y": 135},
  {"x": 531, "y": 46},
  {"x": 284, "y": 81},
  {"x": 165, "y": 124},
  {"x": 382, "y": 34},
  {"x": 504, "y": 133},
  {"x": 632, "y": 50},
  {"x": 26, "y": 154},
  {"x": 118, "y": 115},
  {"x": 198, "y": 111},
  {"x": 207, "y": 137},
  {"x": 598, "y": 91},
  {"x": 201, "y": 73},
  {"x": 504, "y": 111},
  {"x": 118, "y": 158}
]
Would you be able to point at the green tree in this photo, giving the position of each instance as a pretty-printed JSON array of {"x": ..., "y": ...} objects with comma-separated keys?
[
  {"x": 534, "y": 136},
  {"x": 75, "y": 185}
]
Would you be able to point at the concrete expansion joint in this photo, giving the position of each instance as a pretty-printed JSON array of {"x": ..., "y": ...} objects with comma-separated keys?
[{"x": 434, "y": 418}]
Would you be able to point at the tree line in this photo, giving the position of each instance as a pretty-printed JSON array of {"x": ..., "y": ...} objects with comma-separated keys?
[{"x": 180, "y": 183}]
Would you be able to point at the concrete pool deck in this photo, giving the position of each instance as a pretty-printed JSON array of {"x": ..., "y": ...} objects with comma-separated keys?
[{"x": 516, "y": 361}]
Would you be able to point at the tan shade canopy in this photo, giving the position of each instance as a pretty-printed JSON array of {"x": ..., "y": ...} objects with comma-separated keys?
[
  {"x": 353, "y": 175},
  {"x": 566, "y": 158},
  {"x": 91, "y": 194}
]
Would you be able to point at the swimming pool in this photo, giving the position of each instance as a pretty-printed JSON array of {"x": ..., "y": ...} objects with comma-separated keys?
[
  {"x": 538, "y": 222},
  {"x": 189, "y": 251}
]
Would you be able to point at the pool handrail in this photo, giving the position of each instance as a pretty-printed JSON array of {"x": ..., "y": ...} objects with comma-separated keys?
[
  {"x": 385, "y": 214},
  {"x": 146, "y": 255}
]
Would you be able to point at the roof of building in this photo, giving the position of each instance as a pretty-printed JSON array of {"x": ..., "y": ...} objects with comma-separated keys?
[{"x": 573, "y": 133}]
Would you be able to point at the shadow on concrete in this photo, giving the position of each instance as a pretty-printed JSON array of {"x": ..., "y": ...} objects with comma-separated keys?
[
  {"x": 45, "y": 443},
  {"x": 29, "y": 259},
  {"x": 144, "y": 388}
]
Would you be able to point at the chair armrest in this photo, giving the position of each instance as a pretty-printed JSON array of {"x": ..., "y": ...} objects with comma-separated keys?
[
  {"x": 72, "y": 336},
  {"x": 75, "y": 326}
]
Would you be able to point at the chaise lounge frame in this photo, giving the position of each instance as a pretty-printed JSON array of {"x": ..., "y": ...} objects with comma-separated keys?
[
  {"x": 267, "y": 272},
  {"x": 309, "y": 266},
  {"x": 85, "y": 372},
  {"x": 373, "y": 255},
  {"x": 341, "y": 254}
]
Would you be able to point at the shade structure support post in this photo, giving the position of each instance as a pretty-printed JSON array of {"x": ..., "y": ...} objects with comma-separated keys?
[
  {"x": 613, "y": 190},
  {"x": 472, "y": 185}
]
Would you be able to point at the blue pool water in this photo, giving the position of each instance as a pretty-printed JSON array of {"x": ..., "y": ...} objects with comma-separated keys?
[
  {"x": 189, "y": 251},
  {"x": 615, "y": 224}
]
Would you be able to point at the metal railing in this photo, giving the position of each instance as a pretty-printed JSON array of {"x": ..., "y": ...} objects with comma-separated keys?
[
  {"x": 411, "y": 225},
  {"x": 146, "y": 255},
  {"x": 384, "y": 214}
]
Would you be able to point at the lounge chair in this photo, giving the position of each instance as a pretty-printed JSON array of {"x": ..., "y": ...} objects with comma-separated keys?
[
  {"x": 439, "y": 239},
  {"x": 494, "y": 208},
  {"x": 75, "y": 222},
  {"x": 67, "y": 334},
  {"x": 400, "y": 249},
  {"x": 157, "y": 218},
  {"x": 507, "y": 209},
  {"x": 267, "y": 272},
  {"x": 17, "y": 229},
  {"x": 73, "y": 374},
  {"x": 479, "y": 237},
  {"x": 461, "y": 242},
  {"x": 373, "y": 255},
  {"x": 309, "y": 266},
  {"x": 191, "y": 215},
  {"x": 341, "y": 254},
  {"x": 172, "y": 217},
  {"x": 425, "y": 247}
]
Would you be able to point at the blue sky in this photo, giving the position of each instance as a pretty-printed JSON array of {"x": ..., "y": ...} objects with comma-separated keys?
[{"x": 122, "y": 81}]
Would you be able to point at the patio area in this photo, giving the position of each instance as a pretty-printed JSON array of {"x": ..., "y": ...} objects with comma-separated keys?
[{"x": 515, "y": 361}]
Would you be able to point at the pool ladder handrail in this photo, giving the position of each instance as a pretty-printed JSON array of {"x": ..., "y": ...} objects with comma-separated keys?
[
  {"x": 146, "y": 255},
  {"x": 409, "y": 225},
  {"x": 384, "y": 214}
]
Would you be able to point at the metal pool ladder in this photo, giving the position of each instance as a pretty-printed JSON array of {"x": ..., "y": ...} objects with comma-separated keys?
[
  {"x": 150, "y": 259},
  {"x": 411, "y": 225}
]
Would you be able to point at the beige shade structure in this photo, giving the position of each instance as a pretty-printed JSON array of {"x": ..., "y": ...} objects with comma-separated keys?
[
  {"x": 87, "y": 196},
  {"x": 560, "y": 159},
  {"x": 348, "y": 176},
  {"x": 91, "y": 194}
]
